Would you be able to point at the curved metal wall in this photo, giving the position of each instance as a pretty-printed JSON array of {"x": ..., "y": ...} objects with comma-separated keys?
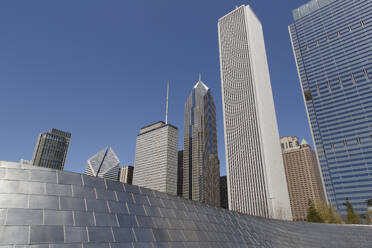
[{"x": 47, "y": 208}]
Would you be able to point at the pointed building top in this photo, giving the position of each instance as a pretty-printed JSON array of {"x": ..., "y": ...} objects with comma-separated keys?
[
  {"x": 304, "y": 142},
  {"x": 200, "y": 84}
]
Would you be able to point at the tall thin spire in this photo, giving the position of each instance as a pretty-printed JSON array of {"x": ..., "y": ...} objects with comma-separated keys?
[
  {"x": 166, "y": 108},
  {"x": 199, "y": 76}
]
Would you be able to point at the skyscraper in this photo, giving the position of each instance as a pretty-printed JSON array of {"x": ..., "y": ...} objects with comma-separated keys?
[
  {"x": 155, "y": 162},
  {"x": 180, "y": 173},
  {"x": 126, "y": 174},
  {"x": 331, "y": 42},
  {"x": 223, "y": 192},
  {"x": 255, "y": 171},
  {"x": 51, "y": 149},
  {"x": 201, "y": 167},
  {"x": 104, "y": 164},
  {"x": 303, "y": 176}
]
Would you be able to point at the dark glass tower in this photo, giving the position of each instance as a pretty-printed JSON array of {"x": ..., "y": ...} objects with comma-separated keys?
[
  {"x": 51, "y": 149},
  {"x": 201, "y": 169},
  {"x": 180, "y": 173},
  {"x": 332, "y": 44},
  {"x": 223, "y": 192}
]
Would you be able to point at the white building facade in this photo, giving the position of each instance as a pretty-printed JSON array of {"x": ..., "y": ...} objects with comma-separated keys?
[
  {"x": 155, "y": 163},
  {"x": 254, "y": 165}
]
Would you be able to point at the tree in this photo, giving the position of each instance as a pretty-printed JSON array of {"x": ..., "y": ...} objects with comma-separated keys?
[
  {"x": 328, "y": 213},
  {"x": 312, "y": 213},
  {"x": 351, "y": 216},
  {"x": 369, "y": 217}
]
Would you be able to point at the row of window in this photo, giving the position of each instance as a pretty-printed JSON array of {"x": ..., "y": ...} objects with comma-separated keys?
[
  {"x": 341, "y": 82},
  {"x": 308, "y": 94},
  {"x": 328, "y": 38},
  {"x": 344, "y": 142}
]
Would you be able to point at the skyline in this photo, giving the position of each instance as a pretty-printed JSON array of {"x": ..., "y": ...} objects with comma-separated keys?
[{"x": 22, "y": 107}]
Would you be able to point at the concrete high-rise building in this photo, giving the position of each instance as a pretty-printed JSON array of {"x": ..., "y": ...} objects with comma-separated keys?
[
  {"x": 155, "y": 163},
  {"x": 104, "y": 164},
  {"x": 254, "y": 166},
  {"x": 303, "y": 176},
  {"x": 51, "y": 149},
  {"x": 126, "y": 174},
  {"x": 331, "y": 42},
  {"x": 223, "y": 192},
  {"x": 201, "y": 166},
  {"x": 180, "y": 173}
]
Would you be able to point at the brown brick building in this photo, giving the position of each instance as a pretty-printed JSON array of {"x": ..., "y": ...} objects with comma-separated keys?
[{"x": 303, "y": 176}]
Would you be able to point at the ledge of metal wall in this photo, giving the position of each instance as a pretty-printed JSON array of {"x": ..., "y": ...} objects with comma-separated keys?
[{"x": 57, "y": 209}]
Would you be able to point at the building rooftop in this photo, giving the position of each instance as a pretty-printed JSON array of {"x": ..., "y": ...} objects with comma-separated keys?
[{"x": 309, "y": 8}]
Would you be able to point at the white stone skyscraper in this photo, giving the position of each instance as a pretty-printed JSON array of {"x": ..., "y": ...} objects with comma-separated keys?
[
  {"x": 254, "y": 165},
  {"x": 155, "y": 162}
]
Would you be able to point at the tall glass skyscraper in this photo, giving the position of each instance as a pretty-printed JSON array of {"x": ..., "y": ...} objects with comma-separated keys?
[
  {"x": 51, "y": 149},
  {"x": 201, "y": 166},
  {"x": 332, "y": 45},
  {"x": 255, "y": 171}
]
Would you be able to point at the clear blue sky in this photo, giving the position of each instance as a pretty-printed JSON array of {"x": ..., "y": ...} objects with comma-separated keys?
[{"x": 98, "y": 69}]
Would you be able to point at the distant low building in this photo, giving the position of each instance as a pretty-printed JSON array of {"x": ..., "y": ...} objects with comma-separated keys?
[
  {"x": 303, "y": 176},
  {"x": 25, "y": 162},
  {"x": 126, "y": 174},
  {"x": 104, "y": 164},
  {"x": 155, "y": 162},
  {"x": 223, "y": 192},
  {"x": 51, "y": 149}
]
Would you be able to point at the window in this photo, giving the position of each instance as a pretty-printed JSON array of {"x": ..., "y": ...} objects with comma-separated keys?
[
  {"x": 317, "y": 89},
  {"x": 329, "y": 86},
  {"x": 366, "y": 74},
  {"x": 340, "y": 81},
  {"x": 290, "y": 144},
  {"x": 352, "y": 78},
  {"x": 308, "y": 95}
]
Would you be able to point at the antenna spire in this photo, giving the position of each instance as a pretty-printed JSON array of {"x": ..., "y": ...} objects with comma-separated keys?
[
  {"x": 199, "y": 76},
  {"x": 166, "y": 108}
]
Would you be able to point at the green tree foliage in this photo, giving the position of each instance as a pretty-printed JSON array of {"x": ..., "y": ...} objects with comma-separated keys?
[
  {"x": 328, "y": 213},
  {"x": 369, "y": 217},
  {"x": 312, "y": 213},
  {"x": 351, "y": 216}
]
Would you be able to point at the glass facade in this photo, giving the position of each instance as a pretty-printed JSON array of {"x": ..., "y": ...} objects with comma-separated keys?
[
  {"x": 201, "y": 172},
  {"x": 51, "y": 149},
  {"x": 332, "y": 45}
]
